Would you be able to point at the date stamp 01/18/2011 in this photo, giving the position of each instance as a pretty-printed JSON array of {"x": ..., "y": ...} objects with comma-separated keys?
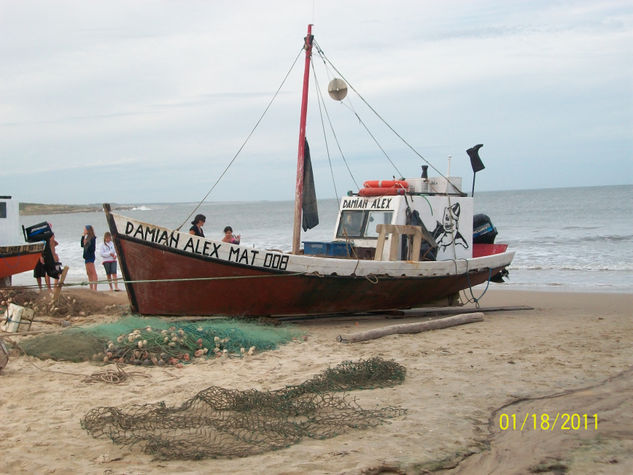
[{"x": 548, "y": 422}]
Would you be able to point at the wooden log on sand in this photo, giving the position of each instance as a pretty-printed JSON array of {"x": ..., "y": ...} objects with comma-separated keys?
[
  {"x": 417, "y": 327},
  {"x": 60, "y": 283}
]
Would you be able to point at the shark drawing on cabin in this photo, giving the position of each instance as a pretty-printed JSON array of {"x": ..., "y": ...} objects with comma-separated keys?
[{"x": 447, "y": 232}]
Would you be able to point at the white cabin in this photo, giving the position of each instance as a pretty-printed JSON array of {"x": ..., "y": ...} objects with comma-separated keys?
[
  {"x": 9, "y": 222},
  {"x": 446, "y": 212}
]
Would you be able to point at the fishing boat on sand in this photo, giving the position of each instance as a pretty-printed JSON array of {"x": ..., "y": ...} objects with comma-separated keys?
[
  {"x": 15, "y": 257},
  {"x": 399, "y": 243}
]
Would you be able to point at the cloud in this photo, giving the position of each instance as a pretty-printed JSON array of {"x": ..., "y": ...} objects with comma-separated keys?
[
  {"x": 88, "y": 166},
  {"x": 167, "y": 91}
]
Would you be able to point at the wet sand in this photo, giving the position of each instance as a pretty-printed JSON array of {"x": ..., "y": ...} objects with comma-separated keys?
[{"x": 570, "y": 356}]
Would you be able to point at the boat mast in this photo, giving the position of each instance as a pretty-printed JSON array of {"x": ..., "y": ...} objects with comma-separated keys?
[{"x": 296, "y": 233}]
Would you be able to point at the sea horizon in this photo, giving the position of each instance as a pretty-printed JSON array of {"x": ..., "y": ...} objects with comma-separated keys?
[
  {"x": 140, "y": 203},
  {"x": 567, "y": 238}
]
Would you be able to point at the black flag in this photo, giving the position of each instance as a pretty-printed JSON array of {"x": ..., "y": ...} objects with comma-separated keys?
[
  {"x": 475, "y": 161},
  {"x": 309, "y": 207}
]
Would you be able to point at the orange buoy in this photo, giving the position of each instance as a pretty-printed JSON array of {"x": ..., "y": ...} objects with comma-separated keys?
[
  {"x": 386, "y": 184},
  {"x": 381, "y": 191}
]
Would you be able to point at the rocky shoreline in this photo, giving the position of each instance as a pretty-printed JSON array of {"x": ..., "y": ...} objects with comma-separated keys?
[{"x": 30, "y": 209}]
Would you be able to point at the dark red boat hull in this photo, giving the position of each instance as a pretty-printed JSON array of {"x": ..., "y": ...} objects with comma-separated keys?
[{"x": 245, "y": 291}]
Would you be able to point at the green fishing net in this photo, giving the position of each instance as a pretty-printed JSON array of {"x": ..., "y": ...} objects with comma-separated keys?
[
  {"x": 227, "y": 423},
  {"x": 158, "y": 341}
]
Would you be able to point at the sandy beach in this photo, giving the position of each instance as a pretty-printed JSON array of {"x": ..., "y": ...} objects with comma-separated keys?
[{"x": 572, "y": 354}]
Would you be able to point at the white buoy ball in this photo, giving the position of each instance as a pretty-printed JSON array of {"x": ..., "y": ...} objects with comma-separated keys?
[{"x": 337, "y": 89}]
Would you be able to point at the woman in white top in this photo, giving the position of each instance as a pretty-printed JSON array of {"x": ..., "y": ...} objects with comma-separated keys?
[{"x": 108, "y": 253}]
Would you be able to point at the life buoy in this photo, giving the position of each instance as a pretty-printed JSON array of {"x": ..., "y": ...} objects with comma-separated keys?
[
  {"x": 381, "y": 191},
  {"x": 386, "y": 184}
]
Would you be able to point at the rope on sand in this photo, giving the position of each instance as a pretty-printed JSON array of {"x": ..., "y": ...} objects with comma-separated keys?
[{"x": 112, "y": 376}]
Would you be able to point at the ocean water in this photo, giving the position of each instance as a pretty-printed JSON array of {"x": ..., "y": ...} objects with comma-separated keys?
[{"x": 569, "y": 239}]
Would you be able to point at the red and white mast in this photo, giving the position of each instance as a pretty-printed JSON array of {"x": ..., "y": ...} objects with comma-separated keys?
[{"x": 296, "y": 234}]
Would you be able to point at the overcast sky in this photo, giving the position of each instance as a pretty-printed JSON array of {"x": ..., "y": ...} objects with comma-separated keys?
[{"x": 148, "y": 101}]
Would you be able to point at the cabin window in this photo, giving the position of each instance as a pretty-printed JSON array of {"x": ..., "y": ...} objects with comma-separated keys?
[
  {"x": 362, "y": 224},
  {"x": 374, "y": 219},
  {"x": 351, "y": 224},
  {"x": 3, "y": 210}
]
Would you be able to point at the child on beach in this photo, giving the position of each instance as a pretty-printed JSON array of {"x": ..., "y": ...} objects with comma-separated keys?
[
  {"x": 89, "y": 243},
  {"x": 108, "y": 253},
  {"x": 228, "y": 236}
]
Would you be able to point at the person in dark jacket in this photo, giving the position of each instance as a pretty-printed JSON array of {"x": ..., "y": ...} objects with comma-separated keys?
[
  {"x": 197, "y": 223},
  {"x": 89, "y": 243},
  {"x": 48, "y": 264}
]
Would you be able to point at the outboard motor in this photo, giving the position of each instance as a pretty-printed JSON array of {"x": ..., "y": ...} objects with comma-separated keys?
[{"x": 483, "y": 230}]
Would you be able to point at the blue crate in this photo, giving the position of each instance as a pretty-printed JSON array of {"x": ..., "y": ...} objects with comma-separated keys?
[
  {"x": 338, "y": 248},
  {"x": 326, "y": 248},
  {"x": 315, "y": 247}
]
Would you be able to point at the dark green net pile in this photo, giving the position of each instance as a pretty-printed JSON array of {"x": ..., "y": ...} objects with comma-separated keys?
[
  {"x": 156, "y": 341},
  {"x": 227, "y": 423}
]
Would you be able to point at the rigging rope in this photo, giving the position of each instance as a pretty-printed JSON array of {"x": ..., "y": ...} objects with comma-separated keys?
[
  {"x": 183, "y": 279},
  {"x": 336, "y": 138},
  {"x": 374, "y": 138},
  {"x": 327, "y": 148},
  {"x": 474, "y": 299},
  {"x": 226, "y": 169},
  {"x": 351, "y": 108},
  {"x": 370, "y": 277},
  {"x": 325, "y": 58}
]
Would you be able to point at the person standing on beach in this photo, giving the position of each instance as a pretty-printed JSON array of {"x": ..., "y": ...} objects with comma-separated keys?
[
  {"x": 89, "y": 243},
  {"x": 197, "y": 223},
  {"x": 108, "y": 253},
  {"x": 48, "y": 264}
]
